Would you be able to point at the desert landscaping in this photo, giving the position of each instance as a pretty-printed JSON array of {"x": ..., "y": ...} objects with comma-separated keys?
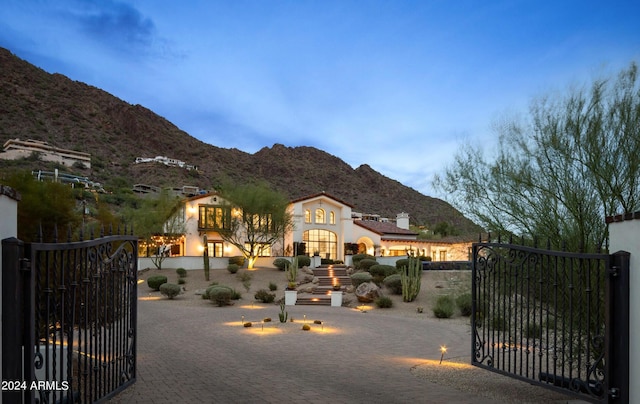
[{"x": 458, "y": 373}]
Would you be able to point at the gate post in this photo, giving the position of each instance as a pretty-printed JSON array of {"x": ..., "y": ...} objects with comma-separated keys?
[
  {"x": 617, "y": 322},
  {"x": 17, "y": 322}
]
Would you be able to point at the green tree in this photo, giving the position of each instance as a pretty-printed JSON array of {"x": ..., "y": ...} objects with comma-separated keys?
[
  {"x": 49, "y": 206},
  {"x": 259, "y": 219},
  {"x": 557, "y": 174},
  {"x": 158, "y": 222}
]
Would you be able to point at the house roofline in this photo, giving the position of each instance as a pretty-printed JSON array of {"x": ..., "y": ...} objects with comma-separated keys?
[{"x": 304, "y": 198}]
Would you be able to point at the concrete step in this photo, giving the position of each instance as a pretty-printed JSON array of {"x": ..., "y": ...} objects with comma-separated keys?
[
  {"x": 329, "y": 272},
  {"x": 323, "y": 281},
  {"x": 313, "y": 301}
]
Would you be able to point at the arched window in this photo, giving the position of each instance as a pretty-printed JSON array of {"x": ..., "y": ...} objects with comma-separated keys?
[
  {"x": 332, "y": 217},
  {"x": 320, "y": 218},
  {"x": 307, "y": 216},
  {"x": 321, "y": 241}
]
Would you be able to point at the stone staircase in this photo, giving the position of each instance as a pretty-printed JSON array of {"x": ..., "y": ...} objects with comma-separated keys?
[{"x": 328, "y": 276}]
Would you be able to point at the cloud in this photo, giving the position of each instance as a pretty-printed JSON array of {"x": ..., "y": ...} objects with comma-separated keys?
[{"x": 120, "y": 24}]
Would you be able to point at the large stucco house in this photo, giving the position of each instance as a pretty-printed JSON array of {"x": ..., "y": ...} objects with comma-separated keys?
[{"x": 323, "y": 225}]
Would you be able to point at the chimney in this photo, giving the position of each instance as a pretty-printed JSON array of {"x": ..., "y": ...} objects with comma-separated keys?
[{"x": 402, "y": 220}]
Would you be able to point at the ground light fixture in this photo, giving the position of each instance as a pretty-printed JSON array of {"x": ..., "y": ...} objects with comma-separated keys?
[{"x": 443, "y": 350}]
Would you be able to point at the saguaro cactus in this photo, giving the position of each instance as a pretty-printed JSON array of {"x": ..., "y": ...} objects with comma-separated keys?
[
  {"x": 411, "y": 279},
  {"x": 205, "y": 256}
]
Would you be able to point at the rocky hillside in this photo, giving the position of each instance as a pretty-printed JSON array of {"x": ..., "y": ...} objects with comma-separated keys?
[{"x": 68, "y": 114}]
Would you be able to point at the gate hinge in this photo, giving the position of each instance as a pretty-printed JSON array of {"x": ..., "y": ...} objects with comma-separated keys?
[
  {"x": 614, "y": 392},
  {"x": 613, "y": 271},
  {"x": 25, "y": 264}
]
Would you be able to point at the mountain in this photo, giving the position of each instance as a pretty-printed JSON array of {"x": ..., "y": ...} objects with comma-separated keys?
[{"x": 68, "y": 114}]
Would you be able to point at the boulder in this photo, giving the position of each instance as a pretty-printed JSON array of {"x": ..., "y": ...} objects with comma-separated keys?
[{"x": 367, "y": 292}]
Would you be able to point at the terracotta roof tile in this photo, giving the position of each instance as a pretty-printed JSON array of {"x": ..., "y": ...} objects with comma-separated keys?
[{"x": 383, "y": 227}]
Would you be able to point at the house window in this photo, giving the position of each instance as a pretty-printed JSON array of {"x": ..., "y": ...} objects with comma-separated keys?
[
  {"x": 443, "y": 255},
  {"x": 321, "y": 241},
  {"x": 320, "y": 218},
  {"x": 212, "y": 217},
  {"x": 264, "y": 250},
  {"x": 332, "y": 217},
  {"x": 215, "y": 248},
  {"x": 307, "y": 216}
]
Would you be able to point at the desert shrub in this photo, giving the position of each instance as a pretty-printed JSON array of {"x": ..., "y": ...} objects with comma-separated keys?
[
  {"x": 498, "y": 323},
  {"x": 303, "y": 261},
  {"x": 273, "y": 286},
  {"x": 444, "y": 307},
  {"x": 464, "y": 304},
  {"x": 532, "y": 330},
  {"x": 170, "y": 290},
  {"x": 360, "y": 277},
  {"x": 238, "y": 260},
  {"x": 182, "y": 273},
  {"x": 359, "y": 257},
  {"x": 393, "y": 283},
  {"x": 380, "y": 271},
  {"x": 155, "y": 281},
  {"x": 220, "y": 295},
  {"x": 233, "y": 268},
  {"x": 264, "y": 296},
  {"x": 367, "y": 263},
  {"x": 384, "y": 302},
  {"x": 404, "y": 262},
  {"x": 327, "y": 261},
  {"x": 244, "y": 276},
  {"x": 281, "y": 263},
  {"x": 205, "y": 295},
  {"x": 181, "y": 281},
  {"x": 384, "y": 270}
]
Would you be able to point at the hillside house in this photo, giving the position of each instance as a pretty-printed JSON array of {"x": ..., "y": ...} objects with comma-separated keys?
[
  {"x": 323, "y": 225},
  {"x": 15, "y": 149}
]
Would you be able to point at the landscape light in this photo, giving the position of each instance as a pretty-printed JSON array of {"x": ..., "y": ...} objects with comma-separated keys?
[{"x": 443, "y": 349}]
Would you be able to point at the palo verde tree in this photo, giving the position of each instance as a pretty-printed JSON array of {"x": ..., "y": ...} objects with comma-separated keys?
[
  {"x": 158, "y": 222},
  {"x": 558, "y": 172},
  {"x": 45, "y": 209},
  {"x": 259, "y": 218}
]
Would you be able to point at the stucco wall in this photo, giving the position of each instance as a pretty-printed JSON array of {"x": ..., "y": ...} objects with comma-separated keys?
[{"x": 625, "y": 236}]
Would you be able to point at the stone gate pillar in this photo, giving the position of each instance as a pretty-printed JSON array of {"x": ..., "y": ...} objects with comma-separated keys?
[
  {"x": 624, "y": 235},
  {"x": 8, "y": 228}
]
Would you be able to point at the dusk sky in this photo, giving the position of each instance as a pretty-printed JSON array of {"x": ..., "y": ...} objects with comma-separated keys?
[{"x": 398, "y": 85}]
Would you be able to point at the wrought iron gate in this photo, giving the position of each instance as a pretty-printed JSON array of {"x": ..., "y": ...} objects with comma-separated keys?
[
  {"x": 556, "y": 319},
  {"x": 74, "y": 306}
]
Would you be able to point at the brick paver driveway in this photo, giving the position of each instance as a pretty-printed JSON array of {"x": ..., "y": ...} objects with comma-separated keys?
[{"x": 190, "y": 353}]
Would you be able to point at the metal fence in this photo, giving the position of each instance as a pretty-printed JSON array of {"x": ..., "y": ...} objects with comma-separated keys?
[
  {"x": 73, "y": 305},
  {"x": 553, "y": 318}
]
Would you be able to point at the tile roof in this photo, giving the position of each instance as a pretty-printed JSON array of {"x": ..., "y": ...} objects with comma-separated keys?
[{"x": 383, "y": 227}]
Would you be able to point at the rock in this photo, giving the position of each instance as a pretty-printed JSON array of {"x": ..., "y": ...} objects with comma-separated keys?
[
  {"x": 307, "y": 270},
  {"x": 367, "y": 292},
  {"x": 307, "y": 279}
]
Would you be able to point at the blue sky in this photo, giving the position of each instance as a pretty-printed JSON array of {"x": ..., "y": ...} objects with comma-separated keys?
[{"x": 398, "y": 85}]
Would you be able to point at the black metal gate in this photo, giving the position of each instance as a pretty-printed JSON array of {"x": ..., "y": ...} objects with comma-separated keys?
[
  {"x": 556, "y": 319},
  {"x": 69, "y": 319}
]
